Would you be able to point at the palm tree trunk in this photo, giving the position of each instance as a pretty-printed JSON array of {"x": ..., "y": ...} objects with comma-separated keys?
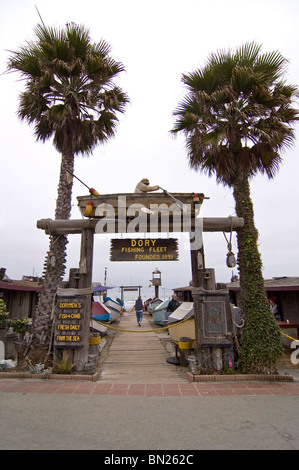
[
  {"x": 56, "y": 256},
  {"x": 261, "y": 341},
  {"x": 64, "y": 199}
]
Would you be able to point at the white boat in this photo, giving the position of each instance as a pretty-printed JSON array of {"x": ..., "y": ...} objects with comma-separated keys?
[
  {"x": 113, "y": 304},
  {"x": 186, "y": 329},
  {"x": 94, "y": 325}
]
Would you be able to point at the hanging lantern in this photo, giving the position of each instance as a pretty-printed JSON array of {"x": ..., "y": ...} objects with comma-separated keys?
[
  {"x": 156, "y": 280},
  {"x": 89, "y": 208},
  {"x": 94, "y": 192}
]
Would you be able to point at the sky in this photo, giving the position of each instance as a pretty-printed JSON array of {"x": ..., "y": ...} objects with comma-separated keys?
[{"x": 157, "y": 42}]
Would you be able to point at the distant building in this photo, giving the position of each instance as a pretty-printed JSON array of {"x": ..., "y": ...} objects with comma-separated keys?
[
  {"x": 183, "y": 294},
  {"x": 284, "y": 289},
  {"x": 20, "y": 297}
]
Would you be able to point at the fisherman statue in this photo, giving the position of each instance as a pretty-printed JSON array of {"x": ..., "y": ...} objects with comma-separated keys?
[{"x": 143, "y": 187}]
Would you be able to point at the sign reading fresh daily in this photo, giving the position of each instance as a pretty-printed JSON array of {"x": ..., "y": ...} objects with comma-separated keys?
[{"x": 69, "y": 322}]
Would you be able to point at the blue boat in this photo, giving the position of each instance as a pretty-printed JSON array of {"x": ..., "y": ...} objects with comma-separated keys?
[
  {"x": 152, "y": 304},
  {"x": 113, "y": 304},
  {"x": 160, "y": 314}
]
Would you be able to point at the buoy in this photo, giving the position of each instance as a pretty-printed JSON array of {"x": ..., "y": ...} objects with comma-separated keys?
[
  {"x": 196, "y": 204},
  {"x": 230, "y": 260},
  {"x": 94, "y": 192},
  {"x": 89, "y": 207}
]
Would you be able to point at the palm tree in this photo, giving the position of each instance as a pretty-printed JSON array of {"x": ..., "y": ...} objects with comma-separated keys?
[
  {"x": 69, "y": 96},
  {"x": 237, "y": 117}
]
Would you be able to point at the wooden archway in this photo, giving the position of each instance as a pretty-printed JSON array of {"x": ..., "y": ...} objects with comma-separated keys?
[{"x": 116, "y": 213}]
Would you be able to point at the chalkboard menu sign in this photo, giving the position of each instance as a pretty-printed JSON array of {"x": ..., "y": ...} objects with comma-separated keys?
[{"x": 69, "y": 322}]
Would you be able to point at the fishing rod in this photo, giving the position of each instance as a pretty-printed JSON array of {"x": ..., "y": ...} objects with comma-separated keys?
[
  {"x": 91, "y": 190},
  {"x": 177, "y": 201}
]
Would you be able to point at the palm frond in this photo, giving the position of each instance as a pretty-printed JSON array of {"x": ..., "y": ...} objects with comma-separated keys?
[
  {"x": 69, "y": 87},
  {"x": 237, "y": 113}
]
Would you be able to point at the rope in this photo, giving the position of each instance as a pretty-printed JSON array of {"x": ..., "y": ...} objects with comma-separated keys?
[
  {"x": 142, "y": 331},
  {"x": 165, "y": 328},
  {"x": 289, "y": 337},
  {"x": 229, "y": 243}
]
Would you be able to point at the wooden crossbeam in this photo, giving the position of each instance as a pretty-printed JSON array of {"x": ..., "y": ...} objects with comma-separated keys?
[{"x": 209, "y": 224}]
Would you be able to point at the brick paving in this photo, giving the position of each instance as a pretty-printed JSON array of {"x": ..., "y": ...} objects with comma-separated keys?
[{"x": 33, "y": 386}]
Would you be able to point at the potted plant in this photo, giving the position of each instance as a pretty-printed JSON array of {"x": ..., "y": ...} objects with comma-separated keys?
[{"x": 19, "y": 325}]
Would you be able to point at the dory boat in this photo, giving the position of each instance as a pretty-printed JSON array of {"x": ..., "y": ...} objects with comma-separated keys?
[
  {"x": 113, "y": 304},
  {"x": 151, "y": 305},
  {"x": 160, "y": 314},
  {"x": 186, "y": 329},
  {"x": 94, "y": 325},
  {"x": 121, "y": 202},
  {"x": 101, "y": 313}
]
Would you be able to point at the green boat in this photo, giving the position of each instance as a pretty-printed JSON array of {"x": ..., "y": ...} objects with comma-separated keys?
[{"x": 160, "y": 313}]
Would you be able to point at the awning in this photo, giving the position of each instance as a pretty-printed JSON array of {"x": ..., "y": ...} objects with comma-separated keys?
[
  {"x": 101, "y": 288},
  {"x": 20, "y": 286}
]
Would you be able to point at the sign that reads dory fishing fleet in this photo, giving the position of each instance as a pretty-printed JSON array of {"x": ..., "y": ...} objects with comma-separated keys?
[{"x": 144, "y": 249}]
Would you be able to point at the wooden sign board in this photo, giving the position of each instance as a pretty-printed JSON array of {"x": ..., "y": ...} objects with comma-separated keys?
[
  {"x": 69, "y": 324},
  {"x": 144, "y": 249},
  {"x": 214, "y": 319}
]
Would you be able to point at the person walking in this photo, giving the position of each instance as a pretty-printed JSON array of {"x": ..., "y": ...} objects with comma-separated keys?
[{"x": 139, "y": 310}]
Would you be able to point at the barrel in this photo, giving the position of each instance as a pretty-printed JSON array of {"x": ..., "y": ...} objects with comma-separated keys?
[
  {"x": 185, "y": 343},
  {"x": 94, "y": 340}
]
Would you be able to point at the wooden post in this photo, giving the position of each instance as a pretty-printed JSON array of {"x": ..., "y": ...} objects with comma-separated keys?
[
  {"x": 213, "y": 327},
  {"x": 156, "y": 292},
  {"x": 73, "y": 278},
  {"x": 185, "y": 350},
  {"x": 197, "y": 266},
  {"x": 86, "y": 256},
  {"x": 85, "y": 281}
]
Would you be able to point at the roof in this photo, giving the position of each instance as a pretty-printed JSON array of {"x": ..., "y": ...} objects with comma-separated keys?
[
  {"x": 100, "y": 288},
  {"x": 29, "y": 286},
  {"x": 186, "y": 288},
  {"x": 282, "y": 283}
]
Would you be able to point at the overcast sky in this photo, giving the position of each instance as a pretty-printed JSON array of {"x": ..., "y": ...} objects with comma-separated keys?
[{"x": 157, "y": 41}]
